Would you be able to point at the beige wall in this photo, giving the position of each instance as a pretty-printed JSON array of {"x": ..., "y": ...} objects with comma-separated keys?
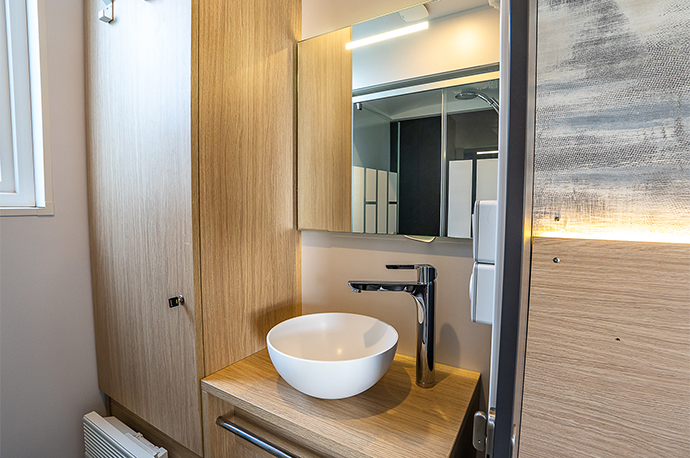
[
  {"x": 329, "y": 260},
  {"x": 47, "y": 350}
]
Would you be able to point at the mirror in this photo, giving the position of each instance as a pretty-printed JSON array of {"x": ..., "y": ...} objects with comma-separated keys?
[
  {"x": 400, "y": 136},
  {"x": 421, "y": 159}
]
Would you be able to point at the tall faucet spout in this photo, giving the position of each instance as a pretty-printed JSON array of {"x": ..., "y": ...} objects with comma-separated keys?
[{"x": 424, "y": 294}]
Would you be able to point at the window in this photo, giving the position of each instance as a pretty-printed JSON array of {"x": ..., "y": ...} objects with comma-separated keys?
[{"x": 22, "y": 153}]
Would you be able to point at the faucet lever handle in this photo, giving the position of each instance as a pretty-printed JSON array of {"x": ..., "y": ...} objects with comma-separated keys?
[
  {"x": 401, "y": 266},
  {"x": 426, "y": 273}
]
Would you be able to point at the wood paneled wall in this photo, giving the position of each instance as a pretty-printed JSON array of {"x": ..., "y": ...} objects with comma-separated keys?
[
  {"x": 325, "y": 132},
  {"x": 140, "y": 212},
  {"x": 250, "y": 247},
  {"x": 607, "y": 369},
  {"x": 192, "y": 191}
]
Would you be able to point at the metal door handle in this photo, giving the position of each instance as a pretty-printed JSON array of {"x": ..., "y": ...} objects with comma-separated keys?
[
  {"x": 256, "y": 440},
  {"x": 479, "y": 431}
]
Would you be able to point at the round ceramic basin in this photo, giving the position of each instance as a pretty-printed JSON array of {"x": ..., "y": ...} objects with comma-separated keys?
[{"x": 332, "y": 355}]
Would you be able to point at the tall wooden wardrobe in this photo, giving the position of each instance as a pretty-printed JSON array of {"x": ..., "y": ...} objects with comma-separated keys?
[{"x": 191, "y": 170}]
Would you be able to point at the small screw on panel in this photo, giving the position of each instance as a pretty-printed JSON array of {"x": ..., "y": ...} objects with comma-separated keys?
[{"x": 556, "y": 260}]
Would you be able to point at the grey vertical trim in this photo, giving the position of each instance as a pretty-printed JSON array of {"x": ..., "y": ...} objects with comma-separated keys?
[
  {"x": 352, "y": 164},
  {"x": 512, "y": 258},
  {"x": 397, "y": 191},
  {"x": 527, "y": 223},
  {"x": 443, "y": 229}
]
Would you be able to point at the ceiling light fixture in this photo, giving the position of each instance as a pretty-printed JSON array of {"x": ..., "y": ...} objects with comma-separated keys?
[{"x": 387, "y": 35}]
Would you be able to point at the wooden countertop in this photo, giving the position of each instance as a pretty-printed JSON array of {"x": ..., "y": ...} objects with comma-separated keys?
[{"x": 394, "y": 418}]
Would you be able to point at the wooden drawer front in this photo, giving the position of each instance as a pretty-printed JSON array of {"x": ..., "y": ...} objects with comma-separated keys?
[{"x": 221, "y": 443}]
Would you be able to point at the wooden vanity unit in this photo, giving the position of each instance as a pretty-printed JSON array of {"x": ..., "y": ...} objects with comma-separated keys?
[{"x": 394, "y": 418}]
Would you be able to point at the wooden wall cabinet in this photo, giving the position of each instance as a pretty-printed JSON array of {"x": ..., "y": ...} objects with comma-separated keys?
[
  {"x": 191, "y": 170},
  {"x": 325, "y": 132}
]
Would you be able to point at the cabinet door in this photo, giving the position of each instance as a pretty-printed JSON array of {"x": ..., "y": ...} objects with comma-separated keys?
[
  {"x": 325, "y": 132},
  {"x": 140, "y": 172},
  {"x": 607, "y": 372}
]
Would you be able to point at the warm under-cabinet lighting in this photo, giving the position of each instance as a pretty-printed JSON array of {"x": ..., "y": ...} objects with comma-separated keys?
[
  {"x": 387, "y": 35},
  {"x": 619, "y": 235}
]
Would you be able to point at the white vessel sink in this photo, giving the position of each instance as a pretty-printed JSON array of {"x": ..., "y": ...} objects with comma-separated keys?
[{"x": 332, "y": 355}]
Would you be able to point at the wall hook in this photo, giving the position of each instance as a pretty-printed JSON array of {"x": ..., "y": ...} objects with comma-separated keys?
[{"x": 106, "y": 14}]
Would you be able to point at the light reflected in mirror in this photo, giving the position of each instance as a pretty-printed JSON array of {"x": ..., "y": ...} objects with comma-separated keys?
[{"x": 413, "y": 156}]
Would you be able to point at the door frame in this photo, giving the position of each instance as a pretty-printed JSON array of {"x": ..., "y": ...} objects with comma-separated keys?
[{"x": 516, "y": 184}]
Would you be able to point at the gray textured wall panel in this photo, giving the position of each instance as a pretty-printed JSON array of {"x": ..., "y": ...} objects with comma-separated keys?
[{"x": 613, "y": 117}]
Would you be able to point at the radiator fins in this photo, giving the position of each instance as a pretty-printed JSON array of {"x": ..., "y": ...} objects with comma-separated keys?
[{"x": 110, "y": 438}]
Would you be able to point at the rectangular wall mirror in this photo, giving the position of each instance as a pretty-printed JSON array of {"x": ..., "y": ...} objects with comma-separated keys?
[{"x": 400, "y": 136}]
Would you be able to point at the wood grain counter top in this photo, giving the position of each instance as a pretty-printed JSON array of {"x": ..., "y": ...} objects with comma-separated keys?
[{"x": 394, "y": 418}]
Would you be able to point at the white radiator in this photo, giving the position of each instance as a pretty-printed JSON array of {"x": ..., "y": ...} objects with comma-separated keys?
[{"x": 110, "y": 438}]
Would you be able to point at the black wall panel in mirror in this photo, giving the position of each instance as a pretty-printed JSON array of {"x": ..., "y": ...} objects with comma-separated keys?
[{"x": 419, "y": 178}]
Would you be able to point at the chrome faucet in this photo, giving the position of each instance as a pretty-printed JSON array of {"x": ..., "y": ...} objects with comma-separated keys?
[{"x": 424, "y": 293}]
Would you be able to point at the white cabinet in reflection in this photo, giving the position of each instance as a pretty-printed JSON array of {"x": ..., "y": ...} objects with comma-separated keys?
[
  {"x": 358, "y": 199},
  {"x": 374, "y": 201},
  {"x": 392, "y": 203},
  {"x": 382, "y": 203},
  {"x": 459, "y": 198},
  {"x": 487, "y": 179},
  {"x": 466, "y": 186}
]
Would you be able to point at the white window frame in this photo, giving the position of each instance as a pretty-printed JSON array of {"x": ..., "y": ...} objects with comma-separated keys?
[{"x": 27, "y": 85}]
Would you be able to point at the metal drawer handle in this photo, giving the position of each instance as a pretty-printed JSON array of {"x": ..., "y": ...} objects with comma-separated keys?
[{"x": 258, "y": 441}]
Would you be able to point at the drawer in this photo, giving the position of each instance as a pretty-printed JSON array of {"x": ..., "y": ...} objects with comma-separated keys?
[{"x": 221, "y": 443}]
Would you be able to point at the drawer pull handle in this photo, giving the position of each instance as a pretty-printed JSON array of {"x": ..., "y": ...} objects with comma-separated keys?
[{"x": 258, "y": 441}]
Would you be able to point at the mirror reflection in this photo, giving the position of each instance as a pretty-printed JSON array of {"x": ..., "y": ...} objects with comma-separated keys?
[
  {"x": 421, "y": 159},
  {"x": 418, "y": 143}
]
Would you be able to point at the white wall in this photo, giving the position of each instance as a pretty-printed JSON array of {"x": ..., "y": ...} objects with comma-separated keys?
[
  {"x": 329, "y": 260},
  {"x": 321, "y": 16},
  {"x": 463, "y": 40},
  {"x": 47, "y": 349}
]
